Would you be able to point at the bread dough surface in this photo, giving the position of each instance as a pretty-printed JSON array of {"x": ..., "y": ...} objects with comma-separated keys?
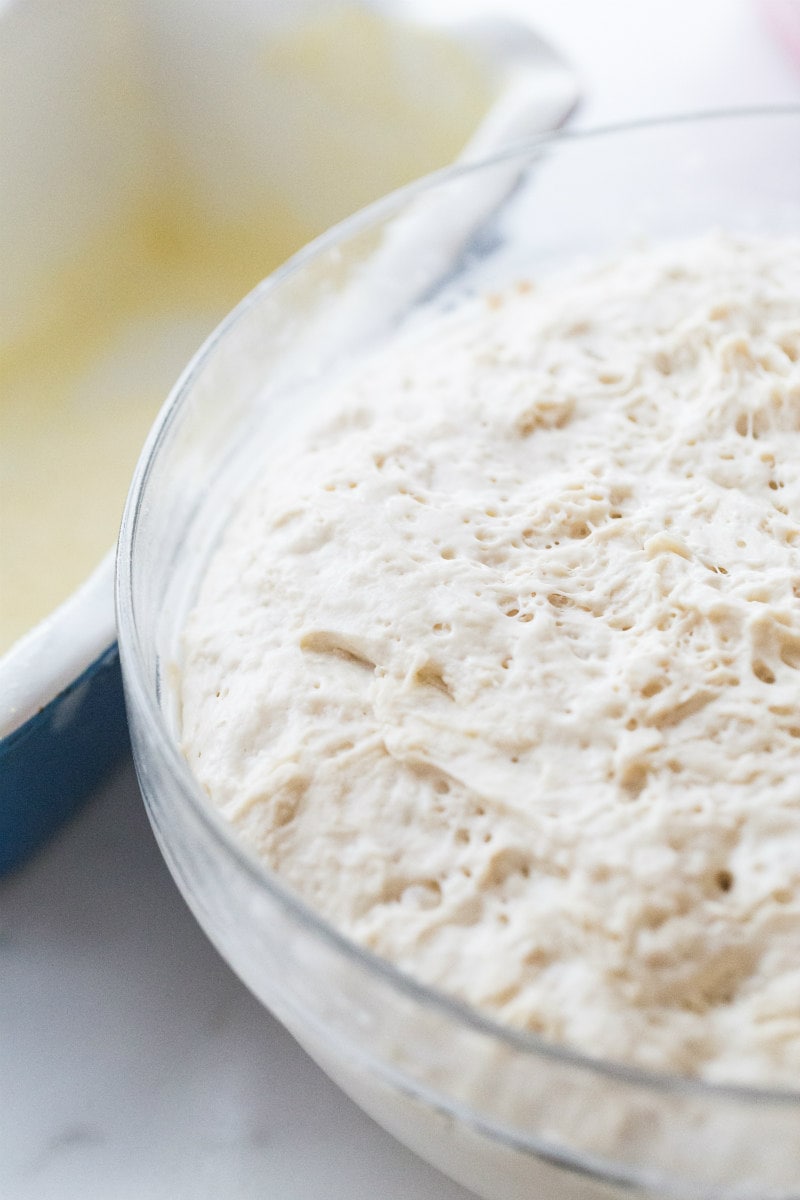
[{"x": 497, "y": 665}]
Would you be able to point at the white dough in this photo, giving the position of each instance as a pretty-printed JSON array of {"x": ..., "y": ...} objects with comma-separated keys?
[{"x": 499, "y": 665}]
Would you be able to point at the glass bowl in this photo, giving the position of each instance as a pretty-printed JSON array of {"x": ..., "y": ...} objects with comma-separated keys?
[{"x": 504, "y": 1113}]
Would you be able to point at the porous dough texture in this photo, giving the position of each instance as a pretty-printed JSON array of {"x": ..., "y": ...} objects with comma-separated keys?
[{"x": 498, "y": 663}]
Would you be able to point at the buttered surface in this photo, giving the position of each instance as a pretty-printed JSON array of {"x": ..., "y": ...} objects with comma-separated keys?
[
  {"x": 498, "y": 667},
  {"x": 78, "y": 396}
]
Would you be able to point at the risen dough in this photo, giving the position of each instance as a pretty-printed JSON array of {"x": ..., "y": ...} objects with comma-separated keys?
[{"x": 498, "y": 666}]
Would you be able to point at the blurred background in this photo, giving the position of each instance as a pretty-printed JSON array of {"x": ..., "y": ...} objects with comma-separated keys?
[{"x": 159, "y": 157}]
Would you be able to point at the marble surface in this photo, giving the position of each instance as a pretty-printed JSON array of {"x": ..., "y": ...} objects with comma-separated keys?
[{"x": 133, "y": 1064}]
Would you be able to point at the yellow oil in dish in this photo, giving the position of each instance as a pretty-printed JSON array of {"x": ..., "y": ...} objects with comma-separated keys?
[
  {"x": 79, "y": 391},
  {"x": 78, "y": 395}
]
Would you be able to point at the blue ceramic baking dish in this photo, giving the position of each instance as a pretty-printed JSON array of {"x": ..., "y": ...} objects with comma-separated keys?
[{"x": 62, "y": 717}]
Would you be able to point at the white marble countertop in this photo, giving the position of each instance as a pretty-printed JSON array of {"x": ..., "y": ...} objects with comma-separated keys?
[{"x": 133, "y": 1064}]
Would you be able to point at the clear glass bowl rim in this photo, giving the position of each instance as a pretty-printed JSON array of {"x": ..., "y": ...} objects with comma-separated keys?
[{"x": 139, "y": 691}]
